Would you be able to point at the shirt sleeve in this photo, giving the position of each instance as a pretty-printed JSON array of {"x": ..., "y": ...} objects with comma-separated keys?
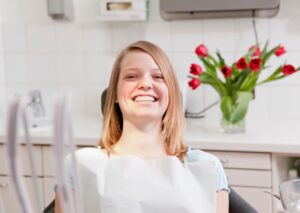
[
  {"x": 221, "y": 183},
  {"x": 221, "y": 180},
  {"x": 69, "y": 171}
]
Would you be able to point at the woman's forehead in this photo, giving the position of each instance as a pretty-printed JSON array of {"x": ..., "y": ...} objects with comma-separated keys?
[{"x": 138, "y": 60}]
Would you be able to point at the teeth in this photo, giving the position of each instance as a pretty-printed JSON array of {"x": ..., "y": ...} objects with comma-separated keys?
[{"x": 144, "y": 98}]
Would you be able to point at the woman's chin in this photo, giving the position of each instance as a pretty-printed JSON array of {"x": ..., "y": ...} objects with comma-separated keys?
[{"x": 146, "y": 116}]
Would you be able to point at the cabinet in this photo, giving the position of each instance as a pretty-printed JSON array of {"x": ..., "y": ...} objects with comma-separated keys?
[
  {"x": 48, "y": 187},
  {"x": 49, "y": 173},
  {"x": 45, "y": 168},
  {"x": 8, "y": 197},
  {"x": 249, "y": 174},
  {"x": 23, "y": 155}
]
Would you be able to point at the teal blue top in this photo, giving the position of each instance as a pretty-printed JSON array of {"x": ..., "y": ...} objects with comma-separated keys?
[{"x": 221, "y": 180}]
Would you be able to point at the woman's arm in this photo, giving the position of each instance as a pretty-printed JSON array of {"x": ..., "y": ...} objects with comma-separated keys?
[
  {"x": 57, "y": 208},
  {"x": 57, "y": 205},
  {"x": 222, "y": 202}
]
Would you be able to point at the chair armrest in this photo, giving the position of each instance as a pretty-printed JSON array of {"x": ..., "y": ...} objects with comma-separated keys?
[
  {"x": 50, "y": 208},
  {"x": 238, "y": 205}
]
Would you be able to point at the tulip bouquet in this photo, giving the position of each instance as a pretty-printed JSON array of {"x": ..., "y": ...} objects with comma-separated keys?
[{"x": 235, "y": 83}]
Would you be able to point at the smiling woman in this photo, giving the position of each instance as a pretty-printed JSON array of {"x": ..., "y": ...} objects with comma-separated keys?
[
  {"x": 144, "y": 69},
  {"x": 142, "y": 164}
]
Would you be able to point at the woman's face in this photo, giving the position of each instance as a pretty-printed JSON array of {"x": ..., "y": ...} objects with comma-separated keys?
[{"x": 141, "y": 91}]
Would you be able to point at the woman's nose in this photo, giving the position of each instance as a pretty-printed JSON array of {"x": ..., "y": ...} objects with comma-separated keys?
[{"x": 145, "y": 83}]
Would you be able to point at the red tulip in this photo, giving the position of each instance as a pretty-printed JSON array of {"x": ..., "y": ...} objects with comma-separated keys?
[
  {"x": 257, "y": 51},
  {"x": 194, "y": 83},
  {"x": 288, "y": 69},
  {"x": 241, "y": 64},
  {"x": 280, "y": 51},
  {"x": 226, "y": 71},
  {"x": 201, "y": 51},
  {"x": 255, "y": 64},
  {"x": 195, "y": 69}
]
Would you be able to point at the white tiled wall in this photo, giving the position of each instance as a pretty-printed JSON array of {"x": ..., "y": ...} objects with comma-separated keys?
[
  {"x": 2, "y": 74},
  {"x": 77, "y": 56}
]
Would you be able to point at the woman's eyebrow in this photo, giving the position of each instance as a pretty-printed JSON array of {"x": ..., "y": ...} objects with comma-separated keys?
[
  {"x": 156, "y": 70},
  {"x": 131, "y": 69},
  {"x": 138, "y": 69}
]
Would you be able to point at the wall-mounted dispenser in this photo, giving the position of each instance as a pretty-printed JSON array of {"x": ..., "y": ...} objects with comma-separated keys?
[
  {"x": 61, "y": 9},
  {"x": 195, "y": 9},
  {"x": 123, "y": 10}
]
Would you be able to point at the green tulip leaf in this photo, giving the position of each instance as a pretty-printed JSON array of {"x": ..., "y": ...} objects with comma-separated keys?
[
  {"x": 273, "y": 76},
  {"x": 250, "y": 82},
  {"x": 221, "y": 59},
  {"x": 266, "y": 56},
  {"x": 265, "y": 48},
  {"x": 226, "y": 107},
  {"x": 210, "y": 68},
  {"x": 240, "y": 110}
]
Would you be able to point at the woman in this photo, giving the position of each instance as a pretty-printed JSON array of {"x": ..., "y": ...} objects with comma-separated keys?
[{"x": 142, "y": 164}]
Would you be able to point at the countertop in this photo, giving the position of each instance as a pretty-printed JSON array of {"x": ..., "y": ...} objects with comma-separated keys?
[{"x": 272, "y": 136}]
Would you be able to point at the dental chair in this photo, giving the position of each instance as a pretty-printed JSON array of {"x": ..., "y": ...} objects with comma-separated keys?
[{"x": 236, "y": 203}]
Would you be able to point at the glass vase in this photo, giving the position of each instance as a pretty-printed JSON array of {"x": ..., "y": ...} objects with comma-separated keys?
[
  {"x": 228, "y": 127},
  {"x": 234, "y": 109}
]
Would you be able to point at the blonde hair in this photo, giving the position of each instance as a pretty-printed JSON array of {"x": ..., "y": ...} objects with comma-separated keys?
[{"x": 173, "y": 120}]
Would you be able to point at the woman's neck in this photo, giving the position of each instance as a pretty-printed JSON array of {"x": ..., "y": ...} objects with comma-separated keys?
[{"x": 141, "y": 140}]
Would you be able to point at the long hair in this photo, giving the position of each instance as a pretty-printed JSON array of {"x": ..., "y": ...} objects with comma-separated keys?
[{"x": 173, "y": 124}]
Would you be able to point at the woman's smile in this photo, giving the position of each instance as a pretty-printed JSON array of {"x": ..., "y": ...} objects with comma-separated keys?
[{"x": 145, "y": 98}]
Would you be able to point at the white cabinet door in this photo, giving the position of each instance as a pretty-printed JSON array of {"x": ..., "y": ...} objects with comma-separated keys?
[
  {"x": 49, "y": 192},
  {"x": 24, "y": 158},
  {"x": 9, "y": 198},
  {"x": 247, "y": 177},
  {"x": 249, "y": 174},
  {"x": 262, "y": 202},
  {"x": 49, "y": 160},
  {"x": 244, "y": 160}
]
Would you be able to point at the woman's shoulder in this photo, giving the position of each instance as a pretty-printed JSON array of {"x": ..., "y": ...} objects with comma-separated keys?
[{"x": 194, "y": 155}]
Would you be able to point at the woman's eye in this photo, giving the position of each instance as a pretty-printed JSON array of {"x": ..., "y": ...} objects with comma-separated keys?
[
  {"x": 131, "y": 76},
  {"x": 159, "y": 76}
]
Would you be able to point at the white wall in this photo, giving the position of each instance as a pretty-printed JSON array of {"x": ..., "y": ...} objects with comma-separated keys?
[
  {"x": 77, "y": 56},
  {"x": 2, "y": 78}
]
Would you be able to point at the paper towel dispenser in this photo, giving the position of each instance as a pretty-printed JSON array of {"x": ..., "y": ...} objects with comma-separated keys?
[
  {"x": 193, "y": 9},
  {"x": 123, "y": 10}
]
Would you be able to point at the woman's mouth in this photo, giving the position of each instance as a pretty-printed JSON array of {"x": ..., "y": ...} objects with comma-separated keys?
[{"x": 144, "y": 98}]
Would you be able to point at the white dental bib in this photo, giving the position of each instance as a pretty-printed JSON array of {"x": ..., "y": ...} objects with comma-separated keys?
[{"x": 129, "y": 184}]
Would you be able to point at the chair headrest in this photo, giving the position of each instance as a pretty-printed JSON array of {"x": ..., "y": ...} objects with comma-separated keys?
[
  {"x": 103, "y": 100},
  {"x": 118, "y": 111}
]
